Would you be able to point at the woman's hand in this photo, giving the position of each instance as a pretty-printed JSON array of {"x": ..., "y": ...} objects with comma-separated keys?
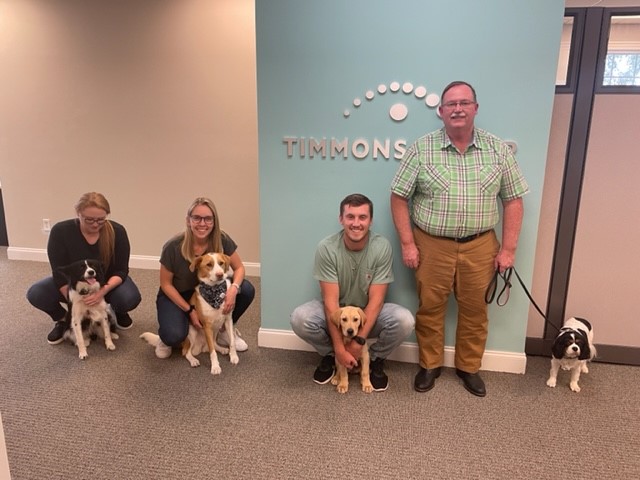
[
  {"x": 194, "y": 319},
  {"x": 229, "y": 300},
  {"x": 94, "y": 298}
]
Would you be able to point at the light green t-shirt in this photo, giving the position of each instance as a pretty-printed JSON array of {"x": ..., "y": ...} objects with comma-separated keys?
[{"x": 354, "y": 272}]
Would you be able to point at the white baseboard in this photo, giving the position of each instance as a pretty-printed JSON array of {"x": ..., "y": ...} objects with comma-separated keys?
[
  {"x": 493, "y": 361},
  {"x": 5, "y": 474},
  {"x": 145, "y": 262}
]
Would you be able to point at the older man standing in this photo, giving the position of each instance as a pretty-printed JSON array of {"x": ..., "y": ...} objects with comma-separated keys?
[{"x": 453, "y": 177}]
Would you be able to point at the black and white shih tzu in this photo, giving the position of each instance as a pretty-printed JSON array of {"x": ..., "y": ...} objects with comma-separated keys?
[{"x": 572, "y": 349}]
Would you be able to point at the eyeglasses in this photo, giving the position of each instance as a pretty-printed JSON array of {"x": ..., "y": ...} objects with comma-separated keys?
[
  {"x": 199, "y": 219},
  {"x": 92, "y": 220},
  {"x": 462, "y": 103}
]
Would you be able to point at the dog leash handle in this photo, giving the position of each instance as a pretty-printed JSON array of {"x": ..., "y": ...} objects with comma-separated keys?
[{"x": 492, "y": 289}]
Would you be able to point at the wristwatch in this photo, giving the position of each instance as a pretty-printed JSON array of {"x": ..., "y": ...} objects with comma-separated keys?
[{"x": 359, "y": 340}]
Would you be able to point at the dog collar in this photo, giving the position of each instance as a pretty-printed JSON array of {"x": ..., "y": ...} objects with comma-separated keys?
[{"x": 213, "y": 294}]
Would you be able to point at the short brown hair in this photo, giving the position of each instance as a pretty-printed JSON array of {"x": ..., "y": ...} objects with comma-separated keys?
[
  {"x": 457, "y": 83},
  {"x": 355, "y": 200}
]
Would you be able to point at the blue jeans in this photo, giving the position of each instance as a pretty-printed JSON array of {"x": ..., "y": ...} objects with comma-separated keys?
[
  {"x": 173, "y": 322},
  {"x": 393, "y": 325},
  {"x": 45, "y": 296}
]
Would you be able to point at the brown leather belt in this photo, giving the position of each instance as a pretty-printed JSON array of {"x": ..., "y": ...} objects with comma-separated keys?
[{"x": 467, "y": 238}]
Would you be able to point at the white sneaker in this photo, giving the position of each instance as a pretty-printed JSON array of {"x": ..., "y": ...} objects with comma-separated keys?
[
  {"x": 223, "y": 340},
  {"x": 162, "y": 350}
]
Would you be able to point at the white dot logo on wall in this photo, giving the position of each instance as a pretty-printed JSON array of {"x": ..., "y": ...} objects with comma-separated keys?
[
  {"x": 407, "y": 96},
  {"x": 399, "y": 110}
]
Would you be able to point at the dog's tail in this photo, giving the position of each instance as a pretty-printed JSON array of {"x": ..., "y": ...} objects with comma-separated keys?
[{"x": 151, "y": 338}]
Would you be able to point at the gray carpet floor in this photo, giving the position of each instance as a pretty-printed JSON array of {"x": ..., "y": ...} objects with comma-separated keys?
[{"x": 128, "y": 415}]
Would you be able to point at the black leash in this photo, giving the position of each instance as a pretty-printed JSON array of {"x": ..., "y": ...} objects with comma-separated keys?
[{"x": 492, "y": 290}]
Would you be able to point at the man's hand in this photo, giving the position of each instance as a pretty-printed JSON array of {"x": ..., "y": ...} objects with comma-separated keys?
[
  {"x": 505, "y": 259},
  {"x": 410, "y": 255},
  {"x": 355, "y": 349},
  {"x": 345, "y": 358}
]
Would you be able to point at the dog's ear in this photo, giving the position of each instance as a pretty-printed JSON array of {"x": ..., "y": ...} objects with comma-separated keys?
[
  {"x": 559, "y": 345},
  {"x": 194, "y": 264},
  {"x": 227, "y": 265},
  {"x": 363, "y": 316},
  {"x": 99, "y": 269},
  {"x": 585, "y": 351},
  {"x": 335, "y": 317}
]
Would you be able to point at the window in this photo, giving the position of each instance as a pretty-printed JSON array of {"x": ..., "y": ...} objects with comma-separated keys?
[
  {"x": 562, "y": 73},
  {"x": 622, "y": 61},
  {"x": 622, "y": 69}
]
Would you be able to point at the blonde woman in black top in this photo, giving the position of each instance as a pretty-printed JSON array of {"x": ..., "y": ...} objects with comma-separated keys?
[{"x": 90, "y": 235}]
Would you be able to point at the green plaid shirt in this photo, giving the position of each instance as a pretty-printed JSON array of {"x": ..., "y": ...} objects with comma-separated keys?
[{"x": 454, "y": 194}]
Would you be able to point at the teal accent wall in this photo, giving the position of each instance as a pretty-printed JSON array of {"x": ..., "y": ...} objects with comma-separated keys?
[{"x": 315, "y": 57}]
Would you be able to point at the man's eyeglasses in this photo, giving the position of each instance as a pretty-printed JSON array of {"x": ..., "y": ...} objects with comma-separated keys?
[
  {"x": 462, "y": 103},
  {"x": 96, "y": 220},
  {"x": 199, "y": 219}
]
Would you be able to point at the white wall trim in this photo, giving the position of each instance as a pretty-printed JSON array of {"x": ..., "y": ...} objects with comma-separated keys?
[
  {"x": 494, "y": 361},
  {"x": 145, "y": 262},
  {"x": 5, "y": 474}
]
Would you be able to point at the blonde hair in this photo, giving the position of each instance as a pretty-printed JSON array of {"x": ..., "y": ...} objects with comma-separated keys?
[
  {"x": 215, "y": 237},
  {"x": 107, "y": 238}
]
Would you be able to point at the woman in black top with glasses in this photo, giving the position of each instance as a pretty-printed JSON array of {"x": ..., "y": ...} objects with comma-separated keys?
[
  {"x": 91, "y": 235},
  {"x": 177, "y": 282}
]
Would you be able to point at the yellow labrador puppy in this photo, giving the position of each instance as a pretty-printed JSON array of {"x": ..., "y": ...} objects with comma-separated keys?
[{"x": 349, "y": 320}]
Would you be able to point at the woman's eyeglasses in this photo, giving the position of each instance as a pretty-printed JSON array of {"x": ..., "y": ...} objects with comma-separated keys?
[
  {"x": 96, "y": 220},
  {"x": 198, "y": 219}
]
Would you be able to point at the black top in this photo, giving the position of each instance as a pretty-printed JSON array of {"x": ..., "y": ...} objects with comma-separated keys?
[
  {"x": 184, "y": 280},
  {"x": 67, "y": 245}
]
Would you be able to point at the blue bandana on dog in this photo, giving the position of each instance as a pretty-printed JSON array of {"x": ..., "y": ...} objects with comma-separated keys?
[{"x": 213, "y": 294}]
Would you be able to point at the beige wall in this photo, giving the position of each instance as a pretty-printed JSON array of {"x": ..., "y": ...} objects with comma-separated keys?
[
  {"x": 604, "y": 271},
  {"x": 554, "y": 171},
  {"x": 150, "y": 102}
]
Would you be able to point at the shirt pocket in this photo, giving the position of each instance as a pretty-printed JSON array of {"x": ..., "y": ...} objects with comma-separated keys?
[
  {"x": 490, "y": 179},
  {"x": 436, "y": 179},
  {"x": 366, "y": 277}
]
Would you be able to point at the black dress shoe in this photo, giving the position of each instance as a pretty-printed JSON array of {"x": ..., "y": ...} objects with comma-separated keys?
[
  {"x": 426, "y": 379},
  {"x": 472, "y": 382}
]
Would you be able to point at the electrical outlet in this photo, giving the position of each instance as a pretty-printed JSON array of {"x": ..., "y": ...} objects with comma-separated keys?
[{"x": 46, "y": 225}]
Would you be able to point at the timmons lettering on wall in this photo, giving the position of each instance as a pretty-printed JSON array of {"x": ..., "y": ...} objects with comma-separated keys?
[
  {"x": 362, "y": 148},
  {"x": 359, "y": 148},
  {"x": 332, "y": 148}
]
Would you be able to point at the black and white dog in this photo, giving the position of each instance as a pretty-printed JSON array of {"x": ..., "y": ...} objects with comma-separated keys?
[
  {"x": 572, "y": 349},
  {"x": 84, "y": 322}
]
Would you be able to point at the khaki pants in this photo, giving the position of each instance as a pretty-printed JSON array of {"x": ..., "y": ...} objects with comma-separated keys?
[{"x": 466, "y": 269}]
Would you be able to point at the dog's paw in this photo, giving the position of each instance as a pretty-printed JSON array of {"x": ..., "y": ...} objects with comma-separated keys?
[
  {"x": 110, "y": 346},
  {"x": 233, "y": 358},
  {"x": 216, "y": 370},
  {"x": 194, "y": 363},
  {"x": 574, "y": 387},
  {"x": 584, "y": 369},
  {"x": 367, "y": 388},
  {"x": 343, "y": 387},
  {"x": 114, "y": 336},
  {"x": 551, "y": 382},
  {"x": 82, "y": 356},
  {"x": 334, "y": 380}
]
